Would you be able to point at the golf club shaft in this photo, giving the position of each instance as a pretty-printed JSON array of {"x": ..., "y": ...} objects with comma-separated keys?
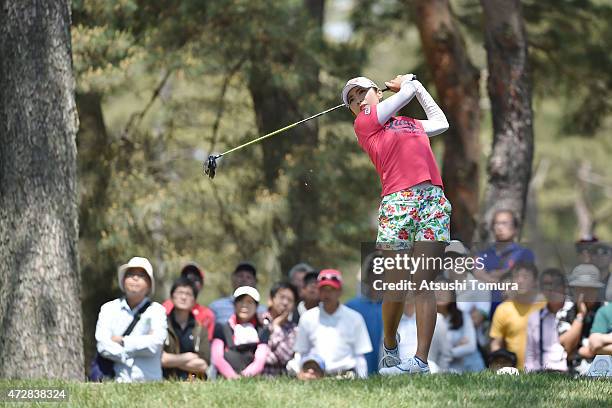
[
  {"x": 283, "y": 129},
  {"x": 279, "y": 130}
]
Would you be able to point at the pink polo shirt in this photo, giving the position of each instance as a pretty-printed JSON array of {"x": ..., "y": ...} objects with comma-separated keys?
[{"x": 400, "y": 151}]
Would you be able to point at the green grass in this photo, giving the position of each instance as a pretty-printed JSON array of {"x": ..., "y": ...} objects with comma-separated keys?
[{"x": 541, "y": 390}]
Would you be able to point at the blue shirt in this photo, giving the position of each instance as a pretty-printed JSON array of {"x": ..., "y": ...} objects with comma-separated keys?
[
  {"x": 505, "y": 259},
  {"x": 371, "y": 312}
]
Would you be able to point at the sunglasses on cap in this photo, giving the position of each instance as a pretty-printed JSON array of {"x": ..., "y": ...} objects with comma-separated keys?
[
  {"x": 600, "y": 251},
  {"x": 329, "y": 276}
]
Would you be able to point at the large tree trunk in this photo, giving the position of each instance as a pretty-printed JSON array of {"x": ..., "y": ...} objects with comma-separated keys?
[
  {"x": 509, "y": 87},
  {"x": 40, "y": 311},
  {"x": 293, "y": 151},
  {"x": 456, "y": 81}
]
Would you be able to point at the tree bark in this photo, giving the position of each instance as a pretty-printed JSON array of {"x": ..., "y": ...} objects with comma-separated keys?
[
  {"x": 40, "y": 310},
  {"x": 509, "y": 88},
  {"x": 457, "y": 86}
]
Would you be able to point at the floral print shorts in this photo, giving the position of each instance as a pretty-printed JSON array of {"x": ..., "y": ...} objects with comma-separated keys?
[{"x": 414, "y": 214}]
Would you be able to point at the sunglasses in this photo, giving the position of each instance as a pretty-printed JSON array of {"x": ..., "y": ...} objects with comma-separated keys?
[
  {"x": 139, "y": 274},
  {"x": 600, "y": 251},
  {"x": 330, "y": 276}
]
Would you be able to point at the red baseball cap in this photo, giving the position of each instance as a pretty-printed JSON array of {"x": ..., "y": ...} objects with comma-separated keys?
[{"x": 330, "y": 277}]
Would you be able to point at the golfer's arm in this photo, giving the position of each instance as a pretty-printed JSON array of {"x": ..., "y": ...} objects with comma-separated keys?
[
  {"x": 436, "y": 122},
  {"x": 392, "y": 104}
]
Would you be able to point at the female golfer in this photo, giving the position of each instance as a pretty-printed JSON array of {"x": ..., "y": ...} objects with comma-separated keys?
[{"x": 414, "y": 214}]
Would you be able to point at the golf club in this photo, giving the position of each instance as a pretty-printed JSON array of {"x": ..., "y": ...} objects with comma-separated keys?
[{"x": 210, "y": 165}]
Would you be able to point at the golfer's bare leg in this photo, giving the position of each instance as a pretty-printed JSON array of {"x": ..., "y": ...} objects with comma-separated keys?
[
  {"x": 425, "y": 300},
  {"x": 393, "y": 303},
  {"x": 391, "y": 313}
]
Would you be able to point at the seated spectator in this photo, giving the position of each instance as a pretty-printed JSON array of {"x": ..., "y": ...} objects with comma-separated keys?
[
  {"x": 296, "y": 275},
  {"x": 477, "y": 303},
  {"x": 503, "y": 254},
  {"x": 501, "y": 358},
  {"x": 600, "y": 340},
  {"x": 601, "y": 257},
  {"x": 583, "y": 248},
  {"x": 508, "y": 294},
  {"x": 312, "y": 368},
  {"x": 137, "y": 355},
  {"x": 439, "y": 353},
  {"x": 333, "y": 331},
  {"x": 309, "y": 293},
  {"x": 369, "y": 305},
  {"x": 282, "y": 330},
  {"x": 575, "y": 324},
  {"x": 240, "y": 345},
  {"x": 245, "y": 274},
  {"x": 509, "y": 324},
  {"x": 203, "y": 315},
  {"x": 461, "y": 334},
  {"x": 544, "y": 350},
  {"x": 467, "y": 299},
  {"x": 187, "y": 349}
]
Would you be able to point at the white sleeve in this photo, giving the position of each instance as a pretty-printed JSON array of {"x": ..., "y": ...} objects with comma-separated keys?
[
  {"x": 363, "y": 344},
  {"x": 442, "y": 354},
  {"x": 468, "y": 332},
  {"x": 436, "y": 122},
  {"x": 302, "y": 340},
  {"x": 104, "y": 345},
  {"x": 151, "y": 343},
  {"x": 361, "y": 366},
  {"x": 389, "y": 106}
]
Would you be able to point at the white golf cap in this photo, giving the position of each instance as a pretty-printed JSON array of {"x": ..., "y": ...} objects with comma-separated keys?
[
  {"x": 457, "y": 247},
  {"x": 247, "y": 290},
  {"x": 361, "y": 82},
  {"x": 136, "y": 262}
]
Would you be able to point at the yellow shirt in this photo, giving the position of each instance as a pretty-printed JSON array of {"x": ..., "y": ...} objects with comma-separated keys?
[{"x": 510, "y": 323}]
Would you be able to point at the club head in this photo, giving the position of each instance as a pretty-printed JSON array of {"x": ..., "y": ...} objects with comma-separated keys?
[{"x": 210, "y": 166}]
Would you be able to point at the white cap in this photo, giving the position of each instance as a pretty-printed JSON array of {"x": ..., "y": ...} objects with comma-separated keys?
[
  {"x": 361, "y": 82},
  {"x": 457, "y": 247},
  {"x": 136, "y": 262},
  {"x": 247, "y": 290}
]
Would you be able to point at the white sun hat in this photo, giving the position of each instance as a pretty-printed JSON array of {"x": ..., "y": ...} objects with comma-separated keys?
[{"x": 136, "y": 262}]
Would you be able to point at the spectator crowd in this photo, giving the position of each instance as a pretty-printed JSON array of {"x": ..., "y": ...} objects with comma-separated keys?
[{"x": 550, "y": 322}]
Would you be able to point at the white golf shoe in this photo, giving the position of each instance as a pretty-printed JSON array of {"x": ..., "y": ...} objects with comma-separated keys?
[
  {"x": 409, "y": 366},
  {"x": 390, "y": 358}
]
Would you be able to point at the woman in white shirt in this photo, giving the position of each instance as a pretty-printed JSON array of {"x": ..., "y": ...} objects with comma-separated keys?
[{"x": 461, "y": 335}]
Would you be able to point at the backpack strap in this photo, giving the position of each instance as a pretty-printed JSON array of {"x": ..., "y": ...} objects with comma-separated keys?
[
  {"x": 228, "y": 333},
  {"x": 197, "y": 332},
  {"x": 136, "y": 319}
]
